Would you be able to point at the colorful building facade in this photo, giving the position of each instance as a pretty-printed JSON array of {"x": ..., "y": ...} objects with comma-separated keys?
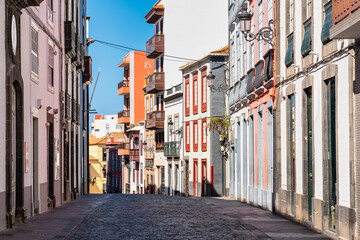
[{"x": 136, "y": 67}]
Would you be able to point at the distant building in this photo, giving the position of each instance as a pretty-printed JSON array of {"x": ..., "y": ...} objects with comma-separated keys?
[
  {"x": 105, "y": 124},
  {"x": 136, "y": 67},
  {"x": 105, "y": 165},
  {"x": 204, "y": 162},
  {"x": 165, "y": 84}
]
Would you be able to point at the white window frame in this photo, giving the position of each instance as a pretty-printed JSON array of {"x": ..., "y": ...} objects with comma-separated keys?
[
  {"x": 187, "y": 94},
  {"x": 204, "y": 132},
  {"x": 188, "y": 134},
  {"x": 51, "y": 46},
  {"x": 50, "y": 14},
  {"x": 196, "y": 133},
  {"x": 195, "y": 92},
  {"x": 203, "y": 79},
  {"x": 35, "y": 76}
]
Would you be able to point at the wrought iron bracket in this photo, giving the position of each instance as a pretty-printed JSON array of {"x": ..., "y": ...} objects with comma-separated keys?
[{"x": 265, "y": 34}]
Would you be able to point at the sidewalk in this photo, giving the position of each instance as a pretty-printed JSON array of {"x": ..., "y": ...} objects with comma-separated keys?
[
  {"x": 56, "y": 223},
  {"x": 271, "y": 225}
]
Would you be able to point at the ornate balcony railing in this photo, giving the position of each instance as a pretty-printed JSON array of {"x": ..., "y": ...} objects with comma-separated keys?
[{"x": 172, "y": 148}]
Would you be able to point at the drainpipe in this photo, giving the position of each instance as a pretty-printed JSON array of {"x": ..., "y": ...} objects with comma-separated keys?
[{"x": 274, "y": 163}]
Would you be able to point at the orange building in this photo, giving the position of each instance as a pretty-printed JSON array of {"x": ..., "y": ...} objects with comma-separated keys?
[{"x": 136, "y": 68}]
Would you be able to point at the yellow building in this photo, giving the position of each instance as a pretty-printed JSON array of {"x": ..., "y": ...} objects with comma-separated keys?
[{"x": 97, "y": 160}]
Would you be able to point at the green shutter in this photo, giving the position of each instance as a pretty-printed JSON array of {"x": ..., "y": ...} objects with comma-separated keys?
[
  {"x": 289, "y": 57},
  {"x": 306, "y": 44},
  {"x": 328, "y": 23}
]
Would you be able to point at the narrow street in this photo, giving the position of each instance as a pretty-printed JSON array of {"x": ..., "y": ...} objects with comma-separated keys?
[{"x": 117, "y": 216}]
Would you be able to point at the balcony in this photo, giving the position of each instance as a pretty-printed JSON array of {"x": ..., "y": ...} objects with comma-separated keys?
[
  {"x": 70, "y": 42},
  {"x": 78, "y": 114},
  {"x": 135, "y": 155},
  {"x": 76, "y": 59},
  {"x": 87, "y": 75},
  {"x": 172, "y": 149},
  {"x": 155, "y": 46},
  {"x": 155, "y": 120},
  {"x": 124, "y": 116},
  {"x": 68, "y": 106},
  {"x": 155, "y": 14},
  {"x": 155, "y": 82},
  {"x": 124, "y": 148},
  {"x": 74, "y": 107},
  {"x": 124, "y": 87},
  {"x": 346, "y": 19},
  {"x": 159, "y": 146}
]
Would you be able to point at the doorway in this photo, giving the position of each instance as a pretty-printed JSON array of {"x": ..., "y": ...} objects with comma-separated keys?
[
  {"x": 195, "y": 180},
  {"x": 203, "y": 178},
  {"x": 35, "y": 166},
  {"x": 308, "y": 93},
  {"x": 51, "y": 165},
  {"x": 331, "y": 134}
]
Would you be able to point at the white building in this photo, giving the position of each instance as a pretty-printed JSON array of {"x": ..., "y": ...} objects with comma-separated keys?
[
  {"x": 203, "y": 29},
  {"x": 105, "y": 124},
  {"x": 315, "y": 153}
]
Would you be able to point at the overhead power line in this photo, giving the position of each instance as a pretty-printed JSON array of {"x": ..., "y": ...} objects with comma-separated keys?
[{"x": 125, "y": 48}]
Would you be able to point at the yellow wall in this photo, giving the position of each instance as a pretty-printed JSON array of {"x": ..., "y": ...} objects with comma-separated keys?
[{"x": 96, "y": 166}]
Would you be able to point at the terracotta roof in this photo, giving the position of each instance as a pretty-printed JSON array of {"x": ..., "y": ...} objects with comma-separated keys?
[
  {"x": 92, "y": 139},
  {"x": 159, "y": 6},
  {"x": 224, "y": 50}
]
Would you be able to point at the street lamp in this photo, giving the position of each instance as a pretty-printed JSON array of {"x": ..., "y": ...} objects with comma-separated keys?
[
  {"x": 265, "y": 34},
  {"x": 211, "y": 83},
  {"x": 170, "y": 125}
]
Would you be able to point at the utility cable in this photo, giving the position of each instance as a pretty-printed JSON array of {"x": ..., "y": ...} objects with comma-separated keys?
[{"x": 125, "y": 48}]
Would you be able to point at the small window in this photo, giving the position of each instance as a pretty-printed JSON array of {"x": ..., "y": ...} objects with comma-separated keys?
[
  {"x": 50, "y": 11},
  {"x": 34, "y": 51},
  {"x": 51, "y": 66}
]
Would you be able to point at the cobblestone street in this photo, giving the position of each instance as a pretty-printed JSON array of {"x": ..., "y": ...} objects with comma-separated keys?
[{"x": 157, "y": 217}]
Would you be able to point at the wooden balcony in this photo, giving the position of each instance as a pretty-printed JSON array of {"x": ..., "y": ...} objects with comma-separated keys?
[
  {"x": 155, "y": 14},
  {"x": 346, "y": 19},
  {"x": 155, "y": 46},
  {"x": 155, "y": 120},
  {"x": 135, "y": 155},
  {"x": 124, "y": 148},
  {"x": 155, "y": 82},
  {"x": 159, "y": 146},
  {"x": 343, "y": 8},
  {"x": 124, "y": 87},
  {"x": 124, "y": 116}
]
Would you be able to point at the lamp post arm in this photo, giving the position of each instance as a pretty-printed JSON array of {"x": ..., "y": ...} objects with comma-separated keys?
[{"x": 265, "y": 34}]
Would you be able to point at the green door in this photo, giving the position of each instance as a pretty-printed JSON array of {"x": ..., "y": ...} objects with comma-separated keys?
[
  {"x": 332, "y": 151},
  {"x": 309, "y": 146}
]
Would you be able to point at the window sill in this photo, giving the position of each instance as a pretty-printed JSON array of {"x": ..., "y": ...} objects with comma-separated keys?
[
  {"x": 35, "y": 78},
  {"x": 291, "y": 71},
  {"x": 50, "y": 89},
  {"x": 330, "y": 48},
  {"x": 308, "y": 60}
]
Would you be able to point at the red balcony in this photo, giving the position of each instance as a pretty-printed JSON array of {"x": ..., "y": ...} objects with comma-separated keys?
[
  {"x": 343, "y": 8},
  {"x": 155, "y": 120},
  {"x": 155, "y": 82},
  {"x": 135, "y": 155},
  {"x": 155, "y": 46},
  {"x": 124, "y": 87},
  {"x": 124, "y": 116}
]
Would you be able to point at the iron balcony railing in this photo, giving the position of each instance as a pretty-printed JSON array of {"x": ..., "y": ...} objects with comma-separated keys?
[{"x": 172, "y": 148}]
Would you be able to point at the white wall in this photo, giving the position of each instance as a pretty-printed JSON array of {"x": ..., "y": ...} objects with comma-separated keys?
[
  {"x": 102, "y": 123},
  {"x": 192, "y": 29},
  {"x": 2, "y": 96}
]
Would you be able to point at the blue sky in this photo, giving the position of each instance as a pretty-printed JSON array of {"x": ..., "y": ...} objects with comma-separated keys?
[{"x": 121, "y": 22}]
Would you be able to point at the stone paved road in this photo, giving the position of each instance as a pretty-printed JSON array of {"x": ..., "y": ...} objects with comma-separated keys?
[{"x": 157, "y": 217}]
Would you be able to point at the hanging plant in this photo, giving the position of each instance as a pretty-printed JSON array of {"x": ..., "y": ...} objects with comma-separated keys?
[{"x": 220, "y": 125}]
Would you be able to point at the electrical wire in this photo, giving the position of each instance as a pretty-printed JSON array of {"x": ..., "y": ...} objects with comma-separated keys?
[
  {"x": 343, "y": 53},
  {"x": 125, "y": 48}
]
